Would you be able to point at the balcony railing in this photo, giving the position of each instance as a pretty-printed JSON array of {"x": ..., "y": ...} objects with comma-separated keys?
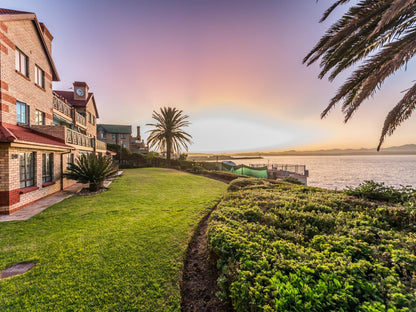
[
  {"x": 76, "y": 138},
  {"x": 102, "y": 146},
  {"x": 81, "y": 120},
  {"x": 61, "y": 106}
]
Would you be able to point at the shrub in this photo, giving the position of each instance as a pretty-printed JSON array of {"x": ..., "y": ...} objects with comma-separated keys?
[
  {"x": 379, "y": 191},
  {"x": 241, "y": 183},
  {"x": 183, "y": 156},
  {"x": 221, "y": 175},
  {"x": 292, "y": 180},
  {"x": 286, "y": 247},
  {"x": 92, "y": 169}
]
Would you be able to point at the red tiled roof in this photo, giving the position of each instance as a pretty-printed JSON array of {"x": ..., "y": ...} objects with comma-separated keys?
[
  {"x": 7, "y": 11},
  {"x": 12, "y": 133},
  {"x": 69, "y": 96}
]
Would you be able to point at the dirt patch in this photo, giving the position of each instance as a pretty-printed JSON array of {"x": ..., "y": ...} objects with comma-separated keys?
[
  {"x": 199, "y": 276},
  {"x": 17, "y": 269},
  {"x": 85, "y": 191}
]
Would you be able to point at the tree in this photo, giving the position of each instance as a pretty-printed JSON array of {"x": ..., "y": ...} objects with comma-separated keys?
[
  {"x": 382, "y": 36},
  {"x": 168, "y": 135},
  {"x": 92, "y": 169}
]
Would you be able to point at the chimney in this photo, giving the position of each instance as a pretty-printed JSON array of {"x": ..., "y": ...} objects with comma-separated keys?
[
  {"x": 47, "y": 36},
  {"x": 138, "y": 133}
]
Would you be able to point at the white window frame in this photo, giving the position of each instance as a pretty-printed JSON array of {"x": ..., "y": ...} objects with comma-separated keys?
[
  {"x": 22, "y": 118},
  {"x": 27, "y": 164},
  {"x": 39, "y": 117},
  {"x": 39, "y": 76},
  {"x": 22, "y": 63},
  {"x": 47, "y": 167}
]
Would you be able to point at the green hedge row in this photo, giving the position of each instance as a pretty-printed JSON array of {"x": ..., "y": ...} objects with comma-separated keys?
[{"x": 286, "y": 247}]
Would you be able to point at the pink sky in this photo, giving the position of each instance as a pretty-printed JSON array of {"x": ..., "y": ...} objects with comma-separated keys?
[{"x": 233, "y": 66}]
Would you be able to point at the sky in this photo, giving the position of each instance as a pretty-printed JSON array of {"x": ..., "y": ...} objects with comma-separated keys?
[{"x": 235, "y": 67}]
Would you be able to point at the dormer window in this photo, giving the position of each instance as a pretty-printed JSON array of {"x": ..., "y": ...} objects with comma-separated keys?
[
  {"x": 22, "y": 63},
  {"x": 39, "y": 77}
]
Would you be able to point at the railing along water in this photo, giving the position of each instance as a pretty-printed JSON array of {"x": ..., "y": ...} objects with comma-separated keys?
[{"x": 297, "y": 169}]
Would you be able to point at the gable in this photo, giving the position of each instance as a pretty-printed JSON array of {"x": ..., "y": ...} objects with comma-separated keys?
[{"x": 9, "y": 16}]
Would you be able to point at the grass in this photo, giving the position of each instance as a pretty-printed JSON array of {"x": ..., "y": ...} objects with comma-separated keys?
[{"x": 121, "y": 250}]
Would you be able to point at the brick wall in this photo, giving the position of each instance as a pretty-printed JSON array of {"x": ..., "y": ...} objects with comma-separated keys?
[
  {"x": 91, "y": 128},
  {"x": 15, "y": 86},
  {"x": 4, "y": 167},
  {"x": 117, "y": 139},
  {"x": 13, "y": 188}
]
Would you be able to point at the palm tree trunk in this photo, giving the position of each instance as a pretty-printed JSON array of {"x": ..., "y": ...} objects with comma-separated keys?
[{"x": 168, "y": 150}]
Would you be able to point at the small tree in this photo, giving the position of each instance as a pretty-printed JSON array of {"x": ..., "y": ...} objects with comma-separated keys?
[
  {"x": 92, "y": 169},
  {"x": 168, "y": 135}
]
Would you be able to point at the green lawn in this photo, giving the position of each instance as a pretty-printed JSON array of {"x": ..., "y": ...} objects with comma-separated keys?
[{"x": 121, "y": 250}]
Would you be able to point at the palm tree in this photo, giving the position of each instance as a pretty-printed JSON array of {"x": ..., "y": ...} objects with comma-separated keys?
[
  {"x": 168, "y": 135},
  {"x": 381, "y": 35}
]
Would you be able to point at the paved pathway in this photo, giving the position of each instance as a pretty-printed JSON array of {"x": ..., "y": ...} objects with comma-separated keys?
[{"x": 37, "y": 207}]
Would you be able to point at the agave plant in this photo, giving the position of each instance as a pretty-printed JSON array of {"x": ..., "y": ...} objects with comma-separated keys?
[{"x": 92, "y": 169}]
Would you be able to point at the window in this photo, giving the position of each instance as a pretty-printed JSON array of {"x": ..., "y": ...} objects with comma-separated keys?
[
  {"x": 102, "y": 135},
  {"x": 27, "y": 169},
  {"x": 93, "y": 119},
  {"x": 22, "y": 113},
  {"x": 70, "y": 159},
  {"x": 39, "y": 118},
  {"x": 22, "y": 63},
  {"x": 39, "y": 77},
  {"x": 47, "y": 166},
  {"x": 113, "y": 136},
  {"x": 123, "y": 135},
  {"x": 89, "y": 117}
]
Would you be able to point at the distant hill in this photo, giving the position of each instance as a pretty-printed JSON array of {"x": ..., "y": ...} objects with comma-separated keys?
[{"x": 408, "y": 149}]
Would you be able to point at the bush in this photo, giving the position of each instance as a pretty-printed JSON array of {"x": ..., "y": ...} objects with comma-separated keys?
[
  {"x": 292, "y": 180},
  {"x": 244, "y": 183},
  {"x": 286, "y": 247},
  {"x": 92, "y": 169},
  {"x": 379, "y": 191},
  {"x": 221, "y": 175}
]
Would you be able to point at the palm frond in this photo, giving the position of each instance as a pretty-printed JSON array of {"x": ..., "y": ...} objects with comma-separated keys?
[
  {"x": 381, "y": 35},
  {"x": 402, "y": 111}
]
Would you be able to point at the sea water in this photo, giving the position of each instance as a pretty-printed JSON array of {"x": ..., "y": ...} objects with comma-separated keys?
[{"x": 339, "y": 172}]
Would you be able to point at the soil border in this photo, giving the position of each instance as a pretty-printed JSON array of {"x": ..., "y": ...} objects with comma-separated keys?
[{"x": 199, "y": 275}]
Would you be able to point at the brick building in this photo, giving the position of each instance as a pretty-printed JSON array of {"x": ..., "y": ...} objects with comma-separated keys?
[
  {"x": 41, "y": 130},
  {"x": 115, "y": 134}
]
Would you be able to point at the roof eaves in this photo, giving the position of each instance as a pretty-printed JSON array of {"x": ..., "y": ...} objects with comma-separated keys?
[{"x": 55, "y": 75}]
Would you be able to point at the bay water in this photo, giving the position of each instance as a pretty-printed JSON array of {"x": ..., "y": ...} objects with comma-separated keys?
[{"x": 338, "y": 172}]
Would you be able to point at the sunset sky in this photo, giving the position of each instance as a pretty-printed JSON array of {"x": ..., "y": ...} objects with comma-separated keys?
[{"x": 234, "y": 66}]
